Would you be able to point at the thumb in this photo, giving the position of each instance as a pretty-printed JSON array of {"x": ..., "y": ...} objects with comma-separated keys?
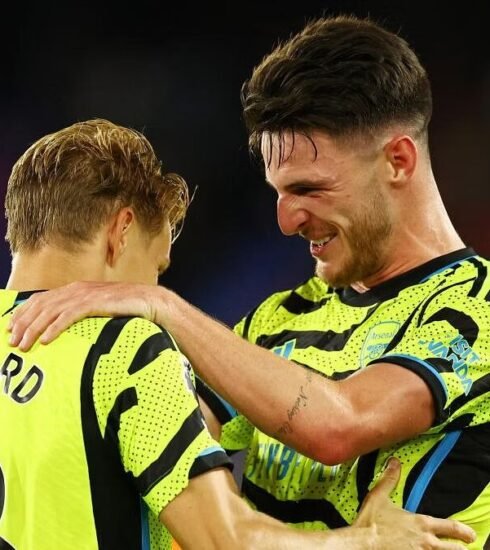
[{"x": 389, "y": 478}]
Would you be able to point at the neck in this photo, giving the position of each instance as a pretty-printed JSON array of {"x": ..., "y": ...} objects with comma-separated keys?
[
  {"x": 51, "y": 267},
  {"x": 422, "y": 231}
]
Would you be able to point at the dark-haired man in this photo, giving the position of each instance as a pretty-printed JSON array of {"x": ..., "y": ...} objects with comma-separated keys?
[
  {"x": 103, "y": 443},
  {"x": 391, "y": 336}
]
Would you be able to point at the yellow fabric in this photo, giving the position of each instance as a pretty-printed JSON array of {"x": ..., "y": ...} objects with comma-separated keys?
[
  {"x": 443, "y": 324},
  {"x": 45, "y": 447}
]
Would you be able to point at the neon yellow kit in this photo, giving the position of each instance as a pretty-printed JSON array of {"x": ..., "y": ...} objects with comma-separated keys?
[
  {"x": 433, "y": 320},
  {"x": 100, "y": 430}
]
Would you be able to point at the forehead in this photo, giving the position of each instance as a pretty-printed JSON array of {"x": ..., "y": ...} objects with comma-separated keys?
[
  {"x": 316, "y": 153},
  {"x": 281, "y": 147}
]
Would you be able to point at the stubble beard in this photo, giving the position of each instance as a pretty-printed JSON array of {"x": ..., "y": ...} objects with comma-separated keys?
[{"x": 366, "y": 241}]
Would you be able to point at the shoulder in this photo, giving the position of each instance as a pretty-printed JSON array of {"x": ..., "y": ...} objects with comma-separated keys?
[
  {"x": 466, "y": 285},
  {"x": 460, "y": 302},
  {"x": 131, "y": 333}
]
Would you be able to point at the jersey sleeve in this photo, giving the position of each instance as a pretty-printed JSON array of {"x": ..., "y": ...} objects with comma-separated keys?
[
  {"x": 236, "y": 430},
  {"x": 144, "y": 395},
  {"x": 446, "y": 341}
]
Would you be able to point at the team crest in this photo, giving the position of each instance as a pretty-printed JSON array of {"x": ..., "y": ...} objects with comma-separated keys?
[
  {"x": 377, "y": 340},
  {"x": 188, "y": 376}
]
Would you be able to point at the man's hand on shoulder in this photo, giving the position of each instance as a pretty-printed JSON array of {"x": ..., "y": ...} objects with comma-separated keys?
[{"x": 46, "y": 314}]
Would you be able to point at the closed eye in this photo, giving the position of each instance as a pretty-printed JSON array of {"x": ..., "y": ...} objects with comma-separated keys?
[
  {"x": 305, "y": 187},
  {"x": 302, "y": 190}
]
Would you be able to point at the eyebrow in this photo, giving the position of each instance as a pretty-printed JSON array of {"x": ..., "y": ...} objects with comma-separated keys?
[{"x": 313, "y": 184}]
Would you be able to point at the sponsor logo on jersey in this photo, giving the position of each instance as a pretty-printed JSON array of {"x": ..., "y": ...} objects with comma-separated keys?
[
  {"x": 377, "y": 339},
  {"x": 459, "y": 354},
  {"x": 274, "y": 461}
]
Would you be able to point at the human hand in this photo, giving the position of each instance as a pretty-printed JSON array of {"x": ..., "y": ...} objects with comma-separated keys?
[
  {"x": 396, "y": 528},
  {"x": 46, "y": 314}
]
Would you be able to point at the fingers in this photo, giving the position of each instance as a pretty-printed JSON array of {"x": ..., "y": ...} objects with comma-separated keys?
[
  {"x": 58, "y": 325},
  {"x": 27, "y": 328},
  {"x": 18, "y": 313},
  {"x": 450, "y": 528},
  {"x": 44, "y": 315},
  {"x": 20, "y": 322},
  {"x": 442, "y": 545},
  {"x": 389, "y": 478}
]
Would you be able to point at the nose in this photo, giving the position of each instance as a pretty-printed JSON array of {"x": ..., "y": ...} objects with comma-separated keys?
[{"x": 291, "y": 217}]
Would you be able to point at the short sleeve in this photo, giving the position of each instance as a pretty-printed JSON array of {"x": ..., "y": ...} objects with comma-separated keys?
[
  {"x": 144, "y": 394},
  {"x": 446, "y": 342}
]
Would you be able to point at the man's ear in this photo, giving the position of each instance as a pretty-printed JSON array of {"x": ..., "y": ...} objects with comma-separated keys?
[
  {"x": 118, "y": 230},
  {"x": 402, "y": 154}
]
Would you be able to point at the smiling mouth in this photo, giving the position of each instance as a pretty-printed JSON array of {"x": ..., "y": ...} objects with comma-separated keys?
[{"x": 317, "y": 246}]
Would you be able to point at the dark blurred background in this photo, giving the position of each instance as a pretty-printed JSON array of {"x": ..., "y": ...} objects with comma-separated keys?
[{"x": 174, "y": 71}]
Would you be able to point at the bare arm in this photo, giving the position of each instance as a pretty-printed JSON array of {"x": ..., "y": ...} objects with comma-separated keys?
[
  {"x": 209, "y": 514},
  {"x": 326, "y": 420}
]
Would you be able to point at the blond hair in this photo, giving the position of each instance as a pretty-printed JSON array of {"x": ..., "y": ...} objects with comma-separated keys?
[{"x": 67, "y": 184}]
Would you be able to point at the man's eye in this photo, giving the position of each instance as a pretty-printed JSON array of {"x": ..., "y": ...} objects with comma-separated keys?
[{"x": 304, "y": 190}]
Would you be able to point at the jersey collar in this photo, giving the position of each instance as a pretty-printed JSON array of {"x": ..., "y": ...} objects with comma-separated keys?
[{"x": 389, "y": 289}]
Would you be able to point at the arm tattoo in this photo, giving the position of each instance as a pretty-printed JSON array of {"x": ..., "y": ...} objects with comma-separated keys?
[{"x": 300, "y": 401}]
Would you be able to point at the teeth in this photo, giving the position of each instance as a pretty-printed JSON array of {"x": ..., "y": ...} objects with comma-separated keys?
[{"x": 323, "y": 241}]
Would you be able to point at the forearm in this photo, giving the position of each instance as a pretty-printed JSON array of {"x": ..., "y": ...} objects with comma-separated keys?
[
  {"x": 210, "y": 514},
  {"x": 328, "y": 421},
  {"x": 271, "y": 535},
  {"x": 278, "y": 396}
]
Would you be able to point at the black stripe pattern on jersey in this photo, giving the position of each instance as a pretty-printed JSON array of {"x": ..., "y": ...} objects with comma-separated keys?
[
  {"x": 293, "y": 511},
  {"x": 479, "y": 387},
  {"x": 440, "y": 364},
  {"x": 433, "y": 296},
  {"x": 246, "y": 323},
  {"x": 454, "y": 320},
  {"x": 365, "y": 473},
  {"x": 458, "y": 423},
  {"x": 401, "y": 331},
  {"x": 461, "y": 477},
  {"x": 327, "y": 340},
  {"x": 206, "y": 462},
  {"x": 480, "y": 279},
  {"x": 126, "y": 400},
  {"x": 4, "y": 545},
  {"x": 217, "y": 406},
  {"x": 115, "y": 504},
  {"x": 192, "y": 426},
  {"x": 151, "y": 348},
  {"x": 296, "y": 304},
  {"x": 460, "y": 321}
]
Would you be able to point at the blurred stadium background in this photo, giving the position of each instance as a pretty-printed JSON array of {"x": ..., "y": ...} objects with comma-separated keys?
[{"x": 175, "y": 72}]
